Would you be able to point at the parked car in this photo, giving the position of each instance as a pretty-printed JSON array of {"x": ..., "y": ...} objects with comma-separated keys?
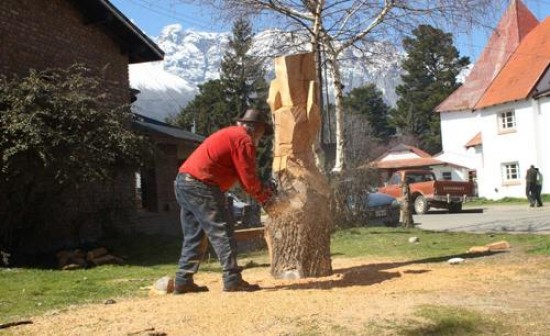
[{"x": 375, "y": 209}]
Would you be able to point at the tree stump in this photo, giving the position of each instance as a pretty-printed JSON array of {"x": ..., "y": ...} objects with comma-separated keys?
[{"x": 298, "y": 236}]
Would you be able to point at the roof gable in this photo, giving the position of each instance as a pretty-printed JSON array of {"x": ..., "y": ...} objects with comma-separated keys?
[
  {"x": 524, "y": 70},
  {"x": 516, "y": 23},
  {"x": 142, "y": 122},
  {"x": 402, "y": 149},
  {"x": 475, "y": 141},
  {"x": 407, "y": 163},
  {"x": 138, "y": 46}
]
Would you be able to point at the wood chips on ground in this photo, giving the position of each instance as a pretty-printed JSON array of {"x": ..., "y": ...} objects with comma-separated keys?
[{"x": 362, "y": 297}]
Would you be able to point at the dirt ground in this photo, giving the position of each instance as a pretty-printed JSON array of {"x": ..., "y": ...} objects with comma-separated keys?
[{"x": 362, "y": 297}]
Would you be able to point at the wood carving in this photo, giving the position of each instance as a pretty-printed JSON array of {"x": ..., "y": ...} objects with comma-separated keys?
[{"x": 298, "y": 233}]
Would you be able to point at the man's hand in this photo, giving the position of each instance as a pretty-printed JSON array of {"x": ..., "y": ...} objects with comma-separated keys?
[{"x": 273, "y": 185}]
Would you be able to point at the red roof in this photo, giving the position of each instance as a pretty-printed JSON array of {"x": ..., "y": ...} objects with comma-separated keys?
[
  {"x": 516, "y": 23},
  {"x": 523, "y": 71},
  {"x": 408, "y": 163},
  {"x": 475, "y": 141}
]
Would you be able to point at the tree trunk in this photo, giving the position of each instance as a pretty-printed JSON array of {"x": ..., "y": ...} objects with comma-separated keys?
[
  {"x": 340, "y": 159},
  {"x": 406, "y": 213},
  {"x": 298, "y": 236},
  {"x": 318, "y": 149}
]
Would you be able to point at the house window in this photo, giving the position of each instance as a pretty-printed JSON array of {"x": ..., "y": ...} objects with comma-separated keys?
[
  {"x": 146, "y": 190},
  {"x": 507, "y": 122},
  {"x": 510, "y": 173},
  {"x": 472, "y": 175},
  {"x": 447, "y": 176}
]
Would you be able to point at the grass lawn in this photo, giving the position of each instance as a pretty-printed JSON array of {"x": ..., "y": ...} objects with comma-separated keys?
[
  {"x": 506, "y": 200},
  {"x": 27, "y": 292}
]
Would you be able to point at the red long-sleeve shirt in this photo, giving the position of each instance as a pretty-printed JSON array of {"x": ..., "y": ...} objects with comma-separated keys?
[{"x": 227, "y": 156}]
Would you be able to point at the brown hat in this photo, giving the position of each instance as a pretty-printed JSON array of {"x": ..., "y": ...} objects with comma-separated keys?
[{"x": 257, "y": 116}]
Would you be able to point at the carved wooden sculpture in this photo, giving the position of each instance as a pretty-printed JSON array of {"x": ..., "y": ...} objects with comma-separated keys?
[{"x": 298, "y": 233}]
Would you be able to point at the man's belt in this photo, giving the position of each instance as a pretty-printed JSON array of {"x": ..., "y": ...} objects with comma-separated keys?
[{"x": 190, "y": 178}]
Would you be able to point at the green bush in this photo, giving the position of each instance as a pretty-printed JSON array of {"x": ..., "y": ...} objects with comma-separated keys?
[{"x": 60, "y": 135}]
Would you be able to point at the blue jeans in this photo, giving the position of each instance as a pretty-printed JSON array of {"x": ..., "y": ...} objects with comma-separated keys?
[{"x": 204, "y": 214}]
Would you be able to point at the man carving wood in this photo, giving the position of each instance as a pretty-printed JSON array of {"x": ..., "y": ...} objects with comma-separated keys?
[{"x": 225, "y": 157}]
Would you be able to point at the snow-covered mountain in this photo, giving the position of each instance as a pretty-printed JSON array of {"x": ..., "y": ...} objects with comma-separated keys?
[
  {"x": 161, "y": 94},
  {"x": 192, "y": 58}
]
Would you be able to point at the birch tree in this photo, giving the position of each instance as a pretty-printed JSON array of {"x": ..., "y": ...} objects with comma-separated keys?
[{"x": 335, "y": 26}]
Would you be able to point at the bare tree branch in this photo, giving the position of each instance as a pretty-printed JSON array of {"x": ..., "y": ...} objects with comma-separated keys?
[{"x": 360, "y": 24}]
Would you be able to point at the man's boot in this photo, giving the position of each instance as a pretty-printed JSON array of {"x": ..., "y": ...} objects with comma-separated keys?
[
  {"x": 189, "y": 287},
  {"x": 240, "y": 286}
]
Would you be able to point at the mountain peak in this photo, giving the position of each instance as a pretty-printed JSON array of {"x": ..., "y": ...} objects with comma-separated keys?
[{"x": 196, "y": 56}]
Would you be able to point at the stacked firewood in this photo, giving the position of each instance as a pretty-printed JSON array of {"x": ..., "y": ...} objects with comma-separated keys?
[{"x": 77, "y": 259}]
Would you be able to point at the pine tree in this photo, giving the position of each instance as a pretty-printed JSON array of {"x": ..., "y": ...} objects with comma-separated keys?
[
  {"x": 242, "y": 85},
  {"x": 368, "y": 101},
  {"x": 243, "y": 75},
  {"x": 207, "y": 112},
  {"x": 243, "y": 79},
  {"x": 431, "y": 66}
]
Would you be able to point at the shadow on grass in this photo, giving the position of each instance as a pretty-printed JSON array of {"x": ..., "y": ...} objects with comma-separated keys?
[
  {"x": 134, "y": 249},
  {"x": 366, "y": 275},
  {"x": 441, "y": 328},
  {"x": 450, "y": 321},
  {"x": 146, "y": 250}
]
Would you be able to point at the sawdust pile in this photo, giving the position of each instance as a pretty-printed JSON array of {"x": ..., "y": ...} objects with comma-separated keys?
[{"x": 360, "y": 293}]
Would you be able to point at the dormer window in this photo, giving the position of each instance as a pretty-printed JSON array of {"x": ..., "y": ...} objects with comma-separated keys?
[{"x": 507, "y": 122}]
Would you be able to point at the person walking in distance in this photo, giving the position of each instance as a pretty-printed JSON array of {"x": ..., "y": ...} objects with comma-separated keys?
[
  {"x": 538, "y": 189},
  {"x": 225, "y": 157},
  {"x": 531, "y": 185}
]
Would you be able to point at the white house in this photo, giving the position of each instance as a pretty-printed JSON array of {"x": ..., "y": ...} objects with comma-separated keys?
[
  {"x": 410, "y": 157},
  {"x": 497, "y": 121}
]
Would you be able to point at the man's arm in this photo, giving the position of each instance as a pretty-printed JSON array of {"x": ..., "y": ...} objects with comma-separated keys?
[{"x": 244, "y": 159}]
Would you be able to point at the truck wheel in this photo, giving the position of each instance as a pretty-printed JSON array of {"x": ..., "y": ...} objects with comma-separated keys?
[
  {"x": 420, "y": 205},
  {"x": 455, "y": 207}
]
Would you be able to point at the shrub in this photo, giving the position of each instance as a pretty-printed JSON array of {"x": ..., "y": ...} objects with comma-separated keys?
[{"x": 60, "y": 135}]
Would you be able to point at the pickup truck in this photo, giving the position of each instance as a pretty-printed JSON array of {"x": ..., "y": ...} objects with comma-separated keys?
[{"x": 427, "y": 192}]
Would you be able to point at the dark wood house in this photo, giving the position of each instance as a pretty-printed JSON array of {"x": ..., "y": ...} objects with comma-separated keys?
[
  {"x": 41, "y": 34},
  {"x": 158, "y": 210}
]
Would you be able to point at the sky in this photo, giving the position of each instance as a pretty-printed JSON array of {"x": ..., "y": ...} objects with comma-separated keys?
[{"x": 152, "y": 15}]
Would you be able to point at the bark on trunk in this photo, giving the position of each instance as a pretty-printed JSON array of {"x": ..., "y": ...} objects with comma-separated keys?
[
  {"x": 340, "y": 158},
  {"x": 298, "y": 235},
  {"x": 406, "y": 213}
]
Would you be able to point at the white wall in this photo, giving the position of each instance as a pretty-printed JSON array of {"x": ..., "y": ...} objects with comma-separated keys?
[
  {"x": 528, "y": 145},
  {"x": 519, "y": 146},
  {"x": 543, "y": 140},
  {"x": 457, "y": 128}
]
